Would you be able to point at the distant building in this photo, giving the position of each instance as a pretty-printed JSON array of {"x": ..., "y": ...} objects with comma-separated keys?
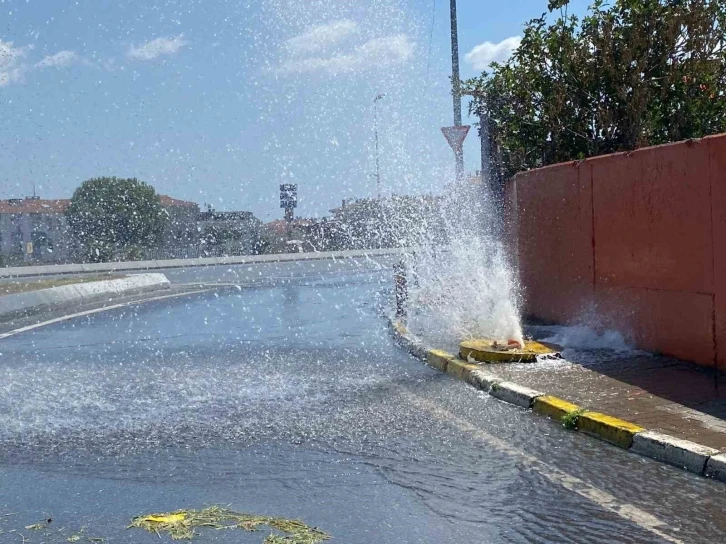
[
  {"x": 298, "y": 235},
  {"x": 34, "y": 229},
  {"x": 182, "y": 227},
  {"x": 388, "y": 222},
  {"x": 231, "y": 233}
]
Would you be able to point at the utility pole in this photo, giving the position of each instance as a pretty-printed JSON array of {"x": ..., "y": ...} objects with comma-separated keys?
[
  {"x": 375, "y": 131},
  {"x": 456, "y": 134},
  {"x": 456, "y": 87}
]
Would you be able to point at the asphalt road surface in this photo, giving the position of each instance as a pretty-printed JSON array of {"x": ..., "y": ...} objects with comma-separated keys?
[{"x": 288, "y": 397}]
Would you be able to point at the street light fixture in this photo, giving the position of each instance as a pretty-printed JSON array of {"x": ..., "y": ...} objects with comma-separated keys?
[{"x": 378, "y": 97}]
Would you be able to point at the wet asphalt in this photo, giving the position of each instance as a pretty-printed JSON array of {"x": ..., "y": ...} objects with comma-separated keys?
[{"x": 287, "y": 396}]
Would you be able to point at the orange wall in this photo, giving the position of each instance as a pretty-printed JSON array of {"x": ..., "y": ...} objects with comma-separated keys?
[{"x": 635, "y": 240}]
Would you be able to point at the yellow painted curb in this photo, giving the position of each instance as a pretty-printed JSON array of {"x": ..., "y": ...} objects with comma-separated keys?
[
  {"x": 614, "y": 430},
  {"x": 400, "y": 328},
  {"x": 460, "y": 369},
  {"x": 488, "y": 351},
  {"x": 553, "y": 407},
  {"x": 439, "y": 359},
  {"x": 611, "y": 429}
]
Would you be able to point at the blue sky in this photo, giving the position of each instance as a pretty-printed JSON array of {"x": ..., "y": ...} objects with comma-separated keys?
[{"x": 220, "y": 101}]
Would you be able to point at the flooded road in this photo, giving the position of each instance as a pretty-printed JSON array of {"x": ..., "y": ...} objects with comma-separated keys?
[{"x": 292, "y": 400}]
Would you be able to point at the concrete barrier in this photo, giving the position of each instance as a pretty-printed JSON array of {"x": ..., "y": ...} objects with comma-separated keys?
[
  {"x": 56, "y": 269},
  {"x": 21, "y": 304},
  {"x": 633, "y": 239}
]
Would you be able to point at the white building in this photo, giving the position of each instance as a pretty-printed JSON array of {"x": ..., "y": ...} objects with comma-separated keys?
[{"x": 34, "y": 230}]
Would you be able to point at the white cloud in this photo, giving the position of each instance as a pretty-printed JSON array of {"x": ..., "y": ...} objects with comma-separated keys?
[
  {"x": 11, "y": 68},
  {"x": 321, "y": 49},
  {"x": 58, "y": 60},
  {"x": 320, "y": 38},
  {"x": 156, "y": 48},
  {"x": 484, "y": 54}
]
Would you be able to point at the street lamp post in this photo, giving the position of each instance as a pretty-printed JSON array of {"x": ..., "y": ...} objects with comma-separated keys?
[{"x": 375, "y": 131}]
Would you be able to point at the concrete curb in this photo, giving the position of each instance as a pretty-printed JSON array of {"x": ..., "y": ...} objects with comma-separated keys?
[
  {"x": 54, "y": 298},
  {"x": 716, "y": 467},
  {"x": 611, "y": 429},
  {"x": 514, "y": 394},
  {"x": 689, "y": 456},
  {"x": 681, "y": 453},
  {"x": 553, "y": 407},
  {"x": 56, "y": 269},
  {"x": 483, "y": 380}
]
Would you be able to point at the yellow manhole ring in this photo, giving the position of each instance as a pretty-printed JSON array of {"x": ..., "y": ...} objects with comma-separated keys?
[{"x": 489, "y": 351}]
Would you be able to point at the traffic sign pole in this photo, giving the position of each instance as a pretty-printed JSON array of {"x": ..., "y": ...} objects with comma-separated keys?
[
  {"x": 456, "y": 88},
  {"x": 459, "y": 156},
  {"x": 455, "y": 136}
]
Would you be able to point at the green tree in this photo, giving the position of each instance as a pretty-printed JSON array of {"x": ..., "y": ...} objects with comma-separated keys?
[
  {"x": 631, "y": 73},
  {"x": 107, "y": 215}
]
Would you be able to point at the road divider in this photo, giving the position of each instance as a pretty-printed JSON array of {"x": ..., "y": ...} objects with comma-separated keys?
[
  {"x": 684, "y": 454},
  {"x": 58, "y": 269},
  {"x": 69, "y": 296}
]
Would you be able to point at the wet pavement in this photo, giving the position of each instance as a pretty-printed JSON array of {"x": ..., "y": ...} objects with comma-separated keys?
[
  {"x": 658, "y": 393},
  {"x": 292, "y": 400}
]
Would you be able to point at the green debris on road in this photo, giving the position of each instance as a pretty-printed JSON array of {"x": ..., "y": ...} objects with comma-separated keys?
[
  {"x": 183, "y": 525},
  {"x": 569, "y": 421}
]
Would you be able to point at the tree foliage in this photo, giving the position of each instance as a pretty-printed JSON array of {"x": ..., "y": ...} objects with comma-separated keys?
[
  {"x": 631, "y": 73},
  {"x": 111, "y": 215}
]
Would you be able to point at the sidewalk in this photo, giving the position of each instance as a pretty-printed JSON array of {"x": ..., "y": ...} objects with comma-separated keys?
[
  {"x": 661, "y": 394},
  {"x": 659, "y": 407}
]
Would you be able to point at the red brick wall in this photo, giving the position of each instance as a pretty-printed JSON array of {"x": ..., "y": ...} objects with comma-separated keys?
[{"x": 637, "y": 239}]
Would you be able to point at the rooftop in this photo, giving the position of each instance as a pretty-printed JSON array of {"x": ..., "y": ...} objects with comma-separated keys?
[
  {"x": 279, "y": 226},
  {"x": 168, "y": 201},
  {"x": 33, "y": 205},
  {"x": 38, "y": 205}
]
